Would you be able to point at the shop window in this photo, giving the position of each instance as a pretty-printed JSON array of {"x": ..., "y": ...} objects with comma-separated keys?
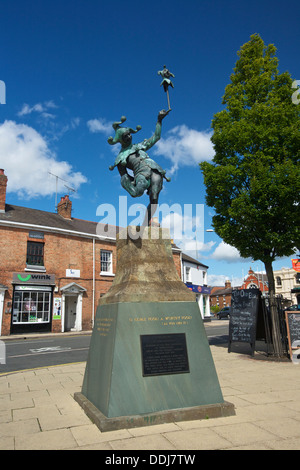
[
  {"x": 35, "y": 254},
  {"x": 31, "y": 306},
  {"x": 106, "y": 262}
]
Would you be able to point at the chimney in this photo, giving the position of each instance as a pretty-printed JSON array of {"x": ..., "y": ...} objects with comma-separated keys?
[
  {"x": 3, "y": 184},
  {"x": 227, "y": 284},
  {"x": 64, "y": 207}
]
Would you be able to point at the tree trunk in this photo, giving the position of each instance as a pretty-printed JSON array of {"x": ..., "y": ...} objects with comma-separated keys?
[{"x": 276, "y": 333}]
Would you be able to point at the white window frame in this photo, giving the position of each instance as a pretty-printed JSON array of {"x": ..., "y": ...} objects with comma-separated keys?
[
  {"x": 109, "y": 261},
  {"x": 35, "y": 297},
  {"x": 188, "y": 277}
]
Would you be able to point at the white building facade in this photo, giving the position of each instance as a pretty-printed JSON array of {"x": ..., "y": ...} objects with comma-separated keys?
[
  {"x": 194, "y": 275},
  {"x": 287, "y": 284}
]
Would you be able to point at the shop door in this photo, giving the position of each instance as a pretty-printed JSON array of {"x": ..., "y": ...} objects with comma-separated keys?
[{"x": 70, "y": 316}]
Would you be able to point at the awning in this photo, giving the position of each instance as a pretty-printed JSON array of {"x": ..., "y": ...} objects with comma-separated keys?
[{"x": 295, "y": 290}]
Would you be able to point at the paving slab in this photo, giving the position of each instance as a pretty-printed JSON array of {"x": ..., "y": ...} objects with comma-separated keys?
[{"x": 38, "y": 412}]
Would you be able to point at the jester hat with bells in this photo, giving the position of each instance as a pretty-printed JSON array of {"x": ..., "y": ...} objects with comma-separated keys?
[{"x": 119, "y": 131}]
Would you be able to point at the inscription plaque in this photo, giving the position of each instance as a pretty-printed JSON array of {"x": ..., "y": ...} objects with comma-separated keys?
[{"x": 164, "y": 354}]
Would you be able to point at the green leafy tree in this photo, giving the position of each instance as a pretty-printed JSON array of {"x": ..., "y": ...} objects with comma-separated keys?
[{"x": 253, "y": 182}]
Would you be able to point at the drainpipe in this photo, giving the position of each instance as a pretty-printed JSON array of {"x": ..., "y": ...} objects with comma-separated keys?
[{"x": 93, "y": 313}]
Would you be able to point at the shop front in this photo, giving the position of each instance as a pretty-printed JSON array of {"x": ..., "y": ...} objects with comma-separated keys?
[
  {"x": 202, "y": 298},
  {"x": 32, "y": 303}
]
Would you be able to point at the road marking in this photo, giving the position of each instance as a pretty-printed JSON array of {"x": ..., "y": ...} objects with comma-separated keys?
[
  {"x": 49, "y": 352},
  {"x": 53, "y": 348}
]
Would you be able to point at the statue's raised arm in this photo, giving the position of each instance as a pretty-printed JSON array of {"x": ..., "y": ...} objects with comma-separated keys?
[
  {"x": 147, "y": 174},
  {"x": 148, "y": 143}
]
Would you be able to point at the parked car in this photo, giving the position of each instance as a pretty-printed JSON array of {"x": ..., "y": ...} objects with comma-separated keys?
[
  {"x": 292, "y": 307},
  {"x": 224, "y": 313}
]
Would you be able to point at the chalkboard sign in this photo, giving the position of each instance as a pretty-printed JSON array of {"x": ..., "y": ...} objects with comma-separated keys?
[
  {"x": 243, "y": 316},
  {"x": 164, "y": 354},
  {"x": 293, "y": 332}
]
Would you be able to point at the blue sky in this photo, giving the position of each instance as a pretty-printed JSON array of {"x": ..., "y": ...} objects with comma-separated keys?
[{"x": 71, "y": 68}]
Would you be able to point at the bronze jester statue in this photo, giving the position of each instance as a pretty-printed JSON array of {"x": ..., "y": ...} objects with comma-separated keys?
[{"x": 147, "y": 174}]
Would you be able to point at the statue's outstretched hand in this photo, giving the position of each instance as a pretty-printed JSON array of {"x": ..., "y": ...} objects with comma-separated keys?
[{"x": 162, "y": 114}]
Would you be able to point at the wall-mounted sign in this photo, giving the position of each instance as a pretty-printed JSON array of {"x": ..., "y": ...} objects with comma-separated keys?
[
  {"x": 57, "y": 308},
  {"x": 296, "y": 264},
  {"x": 198, "y": 289},
  {"x": 42, "y": 279},
  {"x": 72, "y": 272},
  {"x": 34, "y": 234}
]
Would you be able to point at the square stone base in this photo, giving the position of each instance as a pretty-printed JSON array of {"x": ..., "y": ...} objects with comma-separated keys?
[{"x": 169, "y": 416}]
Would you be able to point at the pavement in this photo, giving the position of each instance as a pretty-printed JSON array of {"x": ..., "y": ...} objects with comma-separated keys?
[{"x": 38, "y": 411}]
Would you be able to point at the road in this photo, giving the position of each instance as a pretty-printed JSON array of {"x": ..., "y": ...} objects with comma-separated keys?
[
  {"x": 23, "y": 354},
  {"x": 30, "y": 353},
  {"x": 217, "y": 331}
]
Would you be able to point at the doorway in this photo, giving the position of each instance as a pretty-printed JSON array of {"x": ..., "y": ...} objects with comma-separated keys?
[
  {"x": 72, "y": 298},
  {"x": 70, "y": 312}
]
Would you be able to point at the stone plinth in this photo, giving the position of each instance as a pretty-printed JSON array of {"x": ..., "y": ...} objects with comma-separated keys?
[
  {"x": 145, "y": 269},
  {"x": 149, "y": 360}
]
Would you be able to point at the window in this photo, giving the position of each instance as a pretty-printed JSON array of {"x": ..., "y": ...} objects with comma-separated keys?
[
  {"x": 278, "y": 281},
  {"x": 35, "y": 253},
  {"x": 32, "y": 306},
  {"x": 106, "y": 262},
  {"x": 187, "y": 274},
  {"x": 253, "y": 286}
]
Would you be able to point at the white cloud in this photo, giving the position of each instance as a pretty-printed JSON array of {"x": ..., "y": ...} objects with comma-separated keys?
[
  {"x": 41, "y": 108},
  {"x": 185, "y": 147},
  {"x": 186, "y": 229},
  {"x": 225, "y": 252},
  {"x": 100, "y": 125},
  {"x": 219, "y": 280},
  {"x": 195, "y": 249},
  {"x": 26, "y": 158},
  {"x": 75, "y": 122}
]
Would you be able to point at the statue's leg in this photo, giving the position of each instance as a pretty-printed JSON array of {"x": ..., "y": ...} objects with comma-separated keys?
[
  {"x": 155, "y": 188},
  {"x": 135, "y": 187}
]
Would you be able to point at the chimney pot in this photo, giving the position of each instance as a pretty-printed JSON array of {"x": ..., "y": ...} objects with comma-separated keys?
[{"x": 64, "y": 207}]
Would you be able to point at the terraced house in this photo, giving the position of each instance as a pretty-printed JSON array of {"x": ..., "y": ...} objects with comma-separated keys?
[{"x": 53, "y": 267}]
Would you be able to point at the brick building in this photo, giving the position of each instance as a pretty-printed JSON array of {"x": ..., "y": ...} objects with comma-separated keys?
[
  {"x": 53, "y": 268},
  {"x": 221, "y": 296},
  {"x": 256, "y": 281}
]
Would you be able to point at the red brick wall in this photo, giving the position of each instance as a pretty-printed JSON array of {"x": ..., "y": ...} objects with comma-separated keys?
[
  {"x": 177, "y": 261},
  {"x": 61, "y": 252},
  {"x": 221, "y": 301}
]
